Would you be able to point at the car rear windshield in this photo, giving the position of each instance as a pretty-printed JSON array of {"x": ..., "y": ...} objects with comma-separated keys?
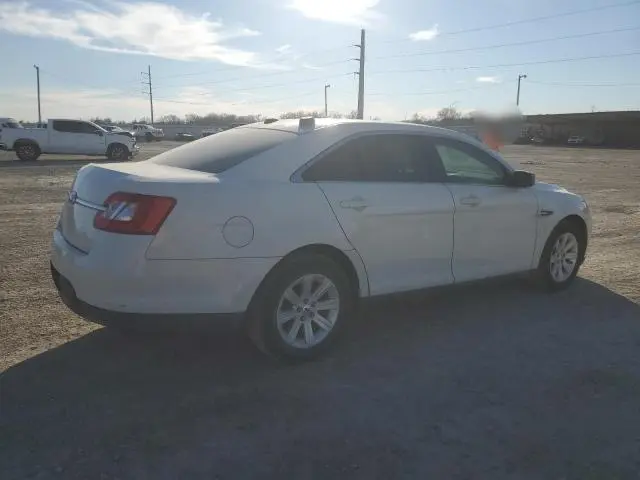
[
  {"x": 221, "y": 151},
  {"x": 11, "y": 124}
]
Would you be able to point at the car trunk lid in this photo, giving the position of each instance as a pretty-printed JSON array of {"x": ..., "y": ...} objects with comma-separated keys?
[{"x": 95, "y": 183}]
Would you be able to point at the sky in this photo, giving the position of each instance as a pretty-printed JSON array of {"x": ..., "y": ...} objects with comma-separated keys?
[{"x": 272, "y": 56}]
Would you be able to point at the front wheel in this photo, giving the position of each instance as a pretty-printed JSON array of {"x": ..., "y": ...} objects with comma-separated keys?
[
  {"x": 560, "y": 260},
  {"x": 27, "y": 152},
  {"x": 118, "y": 153},
  {"x": 302, "y": 307}
]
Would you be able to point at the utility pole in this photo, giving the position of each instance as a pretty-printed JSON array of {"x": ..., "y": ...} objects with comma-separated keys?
[
  {"x": 147, "y": 75},
  {"x": 520, "y": 77},
  {"x": 38, "y": 80},
  {"x": 360, "y": 74},
  {"x": 326, "y": 111}
]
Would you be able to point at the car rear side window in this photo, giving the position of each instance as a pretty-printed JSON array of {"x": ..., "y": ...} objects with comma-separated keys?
[
  {"x": 221, "y": 151},
  {"x": 375, "y": 158}
]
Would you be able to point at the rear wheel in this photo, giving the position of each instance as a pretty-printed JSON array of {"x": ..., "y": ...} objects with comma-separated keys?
[
  {"x": 302, "y": 307},
  {"x": 561, "y": 257},
  {"x": 27, "y": 152},
  {"x": 148, "y": 137}
]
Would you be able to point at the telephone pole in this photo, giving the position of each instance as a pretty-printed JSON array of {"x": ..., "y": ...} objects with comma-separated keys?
[
  {"x": 326, "y": 111},
  {"x": 147, "y": 75},
  {"x": 360, "y": 74},
  {"x": 38, "y": 80},
  {"x": 520, "y": 77}
]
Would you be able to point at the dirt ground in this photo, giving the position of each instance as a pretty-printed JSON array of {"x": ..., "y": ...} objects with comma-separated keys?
[{"x": 485, "y": 381}]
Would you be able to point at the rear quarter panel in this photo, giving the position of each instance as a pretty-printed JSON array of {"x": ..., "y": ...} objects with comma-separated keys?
[{"x": 276, "y": 217}]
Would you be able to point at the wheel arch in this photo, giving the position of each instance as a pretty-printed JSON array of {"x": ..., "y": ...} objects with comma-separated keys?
[
  {"x": 351, "y": 264},
  {"x": 581, "y": 229},
  {"x": 113, "y": 144},
  {"x": 25, "y": 141}
]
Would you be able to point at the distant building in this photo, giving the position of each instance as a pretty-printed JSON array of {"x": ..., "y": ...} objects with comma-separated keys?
[{"x": 611, "y": 129}]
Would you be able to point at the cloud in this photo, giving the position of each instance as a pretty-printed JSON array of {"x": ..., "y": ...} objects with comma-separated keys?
[
  {"x": 283, "y": 48},
  {"x": 489, "y": 79},
  {"x": 308, "y": 66},
  {"x": 422, "y": 35},
  {"x": 347, "y": 12},
  {"x": 146, "y": 28}
]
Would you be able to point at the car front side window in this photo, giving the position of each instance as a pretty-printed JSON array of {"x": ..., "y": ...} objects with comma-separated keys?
[{"x": 464, "y": 163}]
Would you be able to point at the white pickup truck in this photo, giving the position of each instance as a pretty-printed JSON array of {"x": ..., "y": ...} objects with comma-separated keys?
[
  {"x": 76, "y": 137},
  {"x": 147, "y": 132}
]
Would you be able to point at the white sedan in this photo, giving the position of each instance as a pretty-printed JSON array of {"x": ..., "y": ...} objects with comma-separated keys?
[{"x": 288, "y": 224}]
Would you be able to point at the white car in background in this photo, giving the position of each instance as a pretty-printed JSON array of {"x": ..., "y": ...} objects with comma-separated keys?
[
  {"x": 147, "y": 132},
  {"x": 64, "y": 136},
  {"x": 288, "y": 224}
]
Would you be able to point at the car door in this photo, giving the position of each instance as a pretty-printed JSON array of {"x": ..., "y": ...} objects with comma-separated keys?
[
  {"x": 90, "y": 139},
  {"x": 72, "y": 136},
  {"x": 494, "y": 223},
  {"x": 399, "y": 222}
]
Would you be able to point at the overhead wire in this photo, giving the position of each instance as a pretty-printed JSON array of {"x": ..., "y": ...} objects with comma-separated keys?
[
  {"x": 526, "y": 20},
  {"x": 499, "y": 65},
  {"x": 503, "y": 45}
]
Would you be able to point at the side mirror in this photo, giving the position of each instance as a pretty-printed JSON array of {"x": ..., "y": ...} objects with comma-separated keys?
[{"x": 521, "y": 178}]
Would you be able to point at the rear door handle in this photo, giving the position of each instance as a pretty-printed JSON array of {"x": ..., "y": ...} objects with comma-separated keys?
[
  {"x": 470, "y": 201},
  {"x": 358, "y": 204}
]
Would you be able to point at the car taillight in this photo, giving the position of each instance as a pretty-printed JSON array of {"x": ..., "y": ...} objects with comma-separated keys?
[{"x": 134, "y": 213}]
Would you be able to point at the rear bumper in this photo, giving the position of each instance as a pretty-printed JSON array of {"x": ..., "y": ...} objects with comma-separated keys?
[
  {"x": 114, "y": 276},
  {"x": 140, "y": 321}
]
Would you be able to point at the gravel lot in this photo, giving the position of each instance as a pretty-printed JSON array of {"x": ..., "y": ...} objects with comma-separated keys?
[{"x": 485, "y": 381}]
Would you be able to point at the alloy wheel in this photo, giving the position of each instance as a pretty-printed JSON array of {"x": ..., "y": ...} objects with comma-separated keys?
[
  {"x": 564, "y": 257},
  {"x": 307, "y": 311}
]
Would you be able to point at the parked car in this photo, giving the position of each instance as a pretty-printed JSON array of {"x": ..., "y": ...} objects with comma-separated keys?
[
  {"x": 117, "y": 129},
  {"x": 147, "y": 132},
  {"x": 288, "y": 225},
  {"x": 210, "y": 131},
  {"x": 184, "y": 137},
  {"x": 77, "y": 137},
  {"x": 575, "y": 140}
]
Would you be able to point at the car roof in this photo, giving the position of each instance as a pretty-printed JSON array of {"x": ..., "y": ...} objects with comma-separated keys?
[{"x": 353, "y": 125}]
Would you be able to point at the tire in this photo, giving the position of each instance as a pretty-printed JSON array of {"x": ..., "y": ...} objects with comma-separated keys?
[
  {"x": 561, "y": 257},
  {"x": 148, "y": 137},
  {"x": 118, "y": 153},
  {"x": 27, "y": 152},
  {"x": 316, "y": 330}
]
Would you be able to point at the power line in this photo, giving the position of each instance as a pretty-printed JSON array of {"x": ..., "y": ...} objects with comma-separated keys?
[
  {"x": 512, "y": 44},
  {"x": 255, "y": 76},
  {"x": 559, "y": 84},
  {"x": 530, "y": 20},
  {"x": 499, "y": 65},
  {"x": 266, "y": 62},
  {"x": 161, "y": 99},
  {"x": 283, "y": 84},
  {"x": 436, "y": 92}
]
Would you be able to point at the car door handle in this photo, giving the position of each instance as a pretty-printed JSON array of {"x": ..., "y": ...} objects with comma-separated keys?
[
  {"x": 470, "y": 201},
  {"x": 357, "y": 203}
]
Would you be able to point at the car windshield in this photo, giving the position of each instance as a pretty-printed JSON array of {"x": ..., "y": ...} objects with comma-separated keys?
[{"x": 219, "y": 152}]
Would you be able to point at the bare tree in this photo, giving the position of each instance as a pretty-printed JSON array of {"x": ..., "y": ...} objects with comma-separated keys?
[{"x": 448, "y": 113}]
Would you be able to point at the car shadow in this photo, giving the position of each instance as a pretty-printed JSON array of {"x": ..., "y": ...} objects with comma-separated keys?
[{"x": 406, "y": 392}]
